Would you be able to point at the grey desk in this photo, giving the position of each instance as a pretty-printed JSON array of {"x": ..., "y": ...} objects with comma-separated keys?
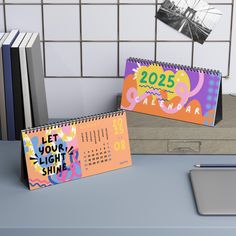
[{"x": 153, "y": 197}]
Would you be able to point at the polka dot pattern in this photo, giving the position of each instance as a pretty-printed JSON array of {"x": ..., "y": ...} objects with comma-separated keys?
[{"x": 212, "y": 98}]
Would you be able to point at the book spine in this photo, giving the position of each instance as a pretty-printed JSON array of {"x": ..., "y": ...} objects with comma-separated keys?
[
  {"x": 17, "y": 93},
  {"x": 3, "y": 119},
  {"x": 8, "y": 92},
  {"x": 25, "y": 88},
  {"x": 36, "y": 82}
]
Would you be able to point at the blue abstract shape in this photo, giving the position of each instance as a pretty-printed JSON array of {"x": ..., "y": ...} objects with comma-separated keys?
[
  {"x": 211, "y": 82},
  {"x": 209, "y": 98},
  {"x": 26, "y": 149},
  {"x": 210, "y": 90}
]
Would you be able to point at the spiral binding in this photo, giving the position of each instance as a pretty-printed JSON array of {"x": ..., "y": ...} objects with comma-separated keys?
[
  {"x": 173, "y": 66},
  {"x": 74, "y": 121}
]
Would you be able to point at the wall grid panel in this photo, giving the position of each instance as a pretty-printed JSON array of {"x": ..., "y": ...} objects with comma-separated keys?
[{"x": 119, "y": 6}]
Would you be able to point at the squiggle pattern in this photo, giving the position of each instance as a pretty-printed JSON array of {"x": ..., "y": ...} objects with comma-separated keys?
[
  {"x": 181, "y": 90},
  {"x": 39, "y": 181},
  {"x": 40, "y": 185},
  {"x": 151, "y": 87},
  {"x": 160, "y": 99}
]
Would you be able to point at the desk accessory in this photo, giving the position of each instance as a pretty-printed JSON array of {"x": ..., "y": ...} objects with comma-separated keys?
[
  {"x": 154, "y": 135},
  {"x": 73, "y": 149},
  {"x": 195, "y": 19},
  {"x": 173, "y": 91},
  {"x": 214, "y": 190},
  {"x": 7, "y": 68},
  {"x": 3, "y": 116}
]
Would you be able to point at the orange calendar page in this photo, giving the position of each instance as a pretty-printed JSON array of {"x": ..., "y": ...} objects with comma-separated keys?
[{"x": 70, "y": 150}]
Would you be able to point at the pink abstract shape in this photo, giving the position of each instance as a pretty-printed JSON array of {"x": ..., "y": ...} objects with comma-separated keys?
[
  {"x": 64, "y": 174},
  {"x": 73, "y": 167},
  {"x": 132, "y": 92},
  {"x": 199, "y": 85}
]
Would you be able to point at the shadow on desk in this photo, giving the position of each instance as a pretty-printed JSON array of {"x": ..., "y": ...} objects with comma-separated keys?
[{"x": 12, "y": 167}]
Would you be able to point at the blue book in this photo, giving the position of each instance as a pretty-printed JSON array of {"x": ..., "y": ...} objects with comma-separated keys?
[{"x": 7, "y": 68}]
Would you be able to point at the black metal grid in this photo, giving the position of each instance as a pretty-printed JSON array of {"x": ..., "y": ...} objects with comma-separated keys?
[{"x": 118, "y": 40}]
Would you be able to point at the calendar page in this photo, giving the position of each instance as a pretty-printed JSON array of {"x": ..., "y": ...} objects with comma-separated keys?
[{"x": 104, "y": 145}]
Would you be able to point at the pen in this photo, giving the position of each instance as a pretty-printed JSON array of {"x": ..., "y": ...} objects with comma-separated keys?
[{"x": 215, "y": 166}]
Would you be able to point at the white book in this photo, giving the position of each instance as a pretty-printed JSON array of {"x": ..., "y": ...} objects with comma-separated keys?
[
  {"x": 25, "y": 81},
  {"x": 36, "y": 81},
  {"x": 18, "y": 40},
  {"x": 3, "y": 116}
]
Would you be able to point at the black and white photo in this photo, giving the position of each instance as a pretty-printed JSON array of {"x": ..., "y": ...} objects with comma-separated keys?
[{"x": 193, "y": 18}]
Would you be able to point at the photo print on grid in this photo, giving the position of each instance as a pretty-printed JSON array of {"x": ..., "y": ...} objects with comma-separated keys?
[{"x": 193, "y": 18}]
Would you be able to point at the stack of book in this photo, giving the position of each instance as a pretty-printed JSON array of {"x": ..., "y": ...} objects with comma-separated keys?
[{"x": 22, "y": 90}]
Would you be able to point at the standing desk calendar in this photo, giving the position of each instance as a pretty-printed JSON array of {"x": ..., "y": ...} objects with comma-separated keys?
[
  {"x": 173, "y": 91},
  {"x": 69, "y": 150}
]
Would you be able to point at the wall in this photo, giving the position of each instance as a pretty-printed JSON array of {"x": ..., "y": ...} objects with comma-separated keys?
[{"x": 85, "y": 44}]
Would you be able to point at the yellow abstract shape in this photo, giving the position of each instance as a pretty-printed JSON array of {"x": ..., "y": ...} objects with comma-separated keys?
[
  {"x": 24, "y": 135},
  {"x": 31, "y": 152},
  {"x": 38, "y": 168},
  {"x": 182, "y": 76},
  {"x": 28, "y": 143},
  {"x": 64, "y": 137},
  {"x": 153, "y": 77}
]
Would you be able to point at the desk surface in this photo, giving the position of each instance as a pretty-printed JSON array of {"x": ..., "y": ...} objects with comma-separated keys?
[{"x": 154, "y": 194}]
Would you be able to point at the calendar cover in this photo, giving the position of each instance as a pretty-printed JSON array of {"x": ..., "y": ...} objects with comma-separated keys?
[
  {"x": 71, "y": 150},
  {"x": 172, "y": 91}
]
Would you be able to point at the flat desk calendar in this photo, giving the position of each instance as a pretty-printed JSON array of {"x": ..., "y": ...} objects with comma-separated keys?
[
  {"x": 69, "y": 150},
  {"x": 173, "y": 91}
]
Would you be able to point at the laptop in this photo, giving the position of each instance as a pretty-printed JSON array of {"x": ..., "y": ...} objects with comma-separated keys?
[{"x": 214, "y": 190}]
